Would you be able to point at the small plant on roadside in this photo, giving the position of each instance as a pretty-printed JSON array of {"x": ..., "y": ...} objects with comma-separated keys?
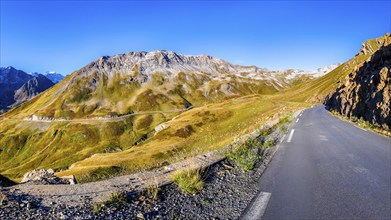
[
  {"x": 116, "y": 199},
  {"x": 268, "y": 143},
  {"x": 353, "y": 119},
  {"x": 206, "y": 201},
  {"x": 283, "y": 129},
  {"x": 189, "y": 180},
  {"x": 97, "y": 207},
  {"x": 253, "y": 144},
  {"x": 153, "y": 190},
  {"x": 265, "y": 132},
  {"x": 245, "y": 155},
  {"x": 287, "y": 119},
  {"x": 3, "y": 197}
]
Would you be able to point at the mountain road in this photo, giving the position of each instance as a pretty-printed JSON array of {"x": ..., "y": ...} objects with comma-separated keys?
[{"x": 326, "y": 168}]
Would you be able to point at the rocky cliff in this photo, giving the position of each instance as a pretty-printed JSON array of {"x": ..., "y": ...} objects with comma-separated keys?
[
  {"x": 32, "y": 88},
  {"x": 366, "y": 92}
]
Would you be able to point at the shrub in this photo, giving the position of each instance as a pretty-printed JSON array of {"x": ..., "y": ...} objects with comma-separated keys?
[
  {"x": 189, "y": 180},
  {"x": 116, "y": 199},
  {"x": 268, "y": 143},
  {"x": 283, "y": 129},
  {"x": 184, "y": 132},
  {"x": 252, "y": 144},
  {"x": 265, "y": 132},
  {"x": 286, "y": 120},
  {"x": 245, "y": 155},
  {"x": 353, "y": 119}
]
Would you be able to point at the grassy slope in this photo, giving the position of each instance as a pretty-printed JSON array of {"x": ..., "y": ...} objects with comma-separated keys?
[
  {"x": 83, "y": 96},
  {"x": 26, "y": 145},
  {"x": 57, "y": 145},
  {"x": 193, "y": 132}
]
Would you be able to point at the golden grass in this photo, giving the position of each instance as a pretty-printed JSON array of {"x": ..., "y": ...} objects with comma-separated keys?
[
  {"x": 189, "y": 180},
  {"x": 213, "y": 126}
]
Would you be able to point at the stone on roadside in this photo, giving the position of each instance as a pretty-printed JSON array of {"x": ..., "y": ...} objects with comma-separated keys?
[{"x": 43, "y": 177}]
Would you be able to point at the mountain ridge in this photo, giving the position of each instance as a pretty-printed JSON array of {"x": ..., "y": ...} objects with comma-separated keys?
[
  {"x": 17, "y": 86},
  {"x": 119, "y": 84},
  {"x": 51, "y": 75}
]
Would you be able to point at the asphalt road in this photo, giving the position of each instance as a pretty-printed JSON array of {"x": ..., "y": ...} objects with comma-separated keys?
[{"x": 326, "y": 169}]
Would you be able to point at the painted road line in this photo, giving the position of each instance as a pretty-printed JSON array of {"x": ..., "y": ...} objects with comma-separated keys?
[
  {"x": 297, "y": 120},
  {"x": 258, "y": 207},
  {"x": 290, "y": 136}
]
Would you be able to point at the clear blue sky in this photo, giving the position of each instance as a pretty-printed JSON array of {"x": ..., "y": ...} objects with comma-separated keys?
[{"x": 65, "y": 36}]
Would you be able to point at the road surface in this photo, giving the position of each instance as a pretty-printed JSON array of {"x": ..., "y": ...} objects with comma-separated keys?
[{"x": 326, "y": 168}]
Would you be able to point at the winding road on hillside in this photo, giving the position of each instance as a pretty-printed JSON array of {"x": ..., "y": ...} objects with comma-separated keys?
[
  {"x": 326, "y": 168},
  {"x": 108, "y": 118}
]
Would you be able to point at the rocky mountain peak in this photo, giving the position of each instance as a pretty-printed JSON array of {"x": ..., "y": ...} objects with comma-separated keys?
[
  {"x": 372, "y": 45},
  {"x": 163, "y": 61},
  {"x": 10, "y": 75}
]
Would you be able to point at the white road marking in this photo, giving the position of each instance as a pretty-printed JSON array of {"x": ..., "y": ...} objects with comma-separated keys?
[
  {"x": 290, "y": 136},
  {"x": 258, "y": 207},
  {"x": 297, "y": 120},
  {"x": 360, "y": 127},
  {"x": 323, "y": 138}
]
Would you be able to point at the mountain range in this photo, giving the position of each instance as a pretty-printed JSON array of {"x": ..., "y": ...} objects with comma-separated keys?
[
  {"x": 157, "y": 80},
  {"x": 51, "y": 75},
  {"x": 16, "y": 86}
]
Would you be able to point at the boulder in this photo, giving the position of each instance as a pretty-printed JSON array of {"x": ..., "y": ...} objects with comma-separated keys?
[
  {"x": 71, "y": 179},
  {"x": 45, "y": 177}
]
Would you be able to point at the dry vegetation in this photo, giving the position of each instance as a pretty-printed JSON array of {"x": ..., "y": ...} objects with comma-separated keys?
[{"x": 196, "y": 131}]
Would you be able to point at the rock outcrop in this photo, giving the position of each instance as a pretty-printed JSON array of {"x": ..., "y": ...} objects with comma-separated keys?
[
  {"x": 366, "y": 92},
  {"x": 45, "y": 177}
]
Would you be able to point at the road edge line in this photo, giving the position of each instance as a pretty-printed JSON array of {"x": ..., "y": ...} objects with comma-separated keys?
[{"x": 258, "y": 207}]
